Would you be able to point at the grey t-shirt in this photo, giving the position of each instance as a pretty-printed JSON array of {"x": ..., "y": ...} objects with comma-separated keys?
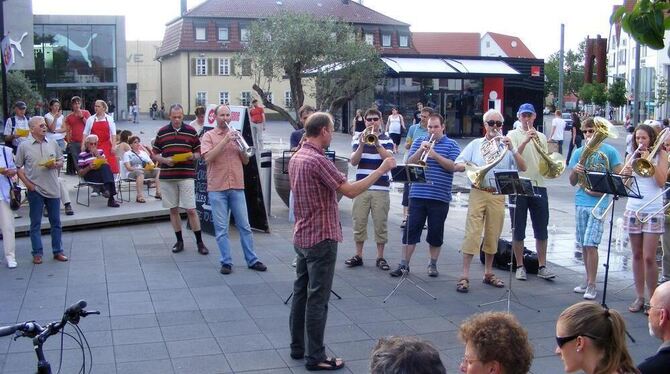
[{"x": 30, "y": 155}]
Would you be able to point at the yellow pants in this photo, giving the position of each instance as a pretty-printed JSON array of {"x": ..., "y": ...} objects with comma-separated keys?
[{"x": 487, "y": 211}]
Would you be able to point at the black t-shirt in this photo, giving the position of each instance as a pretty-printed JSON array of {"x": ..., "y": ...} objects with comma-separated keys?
[{"x": 417, "y": 117}]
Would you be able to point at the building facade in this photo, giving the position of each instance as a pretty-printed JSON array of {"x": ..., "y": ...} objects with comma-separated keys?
[{"x": 143, "y": 73}]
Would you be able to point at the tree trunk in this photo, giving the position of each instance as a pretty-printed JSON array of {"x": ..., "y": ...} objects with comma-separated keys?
[{"x": 271, "y": 106}]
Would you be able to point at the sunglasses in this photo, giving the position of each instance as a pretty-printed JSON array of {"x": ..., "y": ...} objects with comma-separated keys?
[
  {"x": 496, "y": 123},
  {"x": 526, "y": 114},
  {"x": 563, "y": 340},
  {"x": 588, "y": 131},
  {"x": 372, "y": 119}
]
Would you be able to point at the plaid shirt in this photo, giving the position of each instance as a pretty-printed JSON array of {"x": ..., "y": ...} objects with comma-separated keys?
[{"x": 314, "y": 181}]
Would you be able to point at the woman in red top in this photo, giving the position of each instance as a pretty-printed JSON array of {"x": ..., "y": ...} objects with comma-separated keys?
[{"x": 103, "y": 126}]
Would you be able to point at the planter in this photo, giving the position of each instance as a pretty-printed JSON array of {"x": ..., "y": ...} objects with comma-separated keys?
[{"x": 282, "y": 183}]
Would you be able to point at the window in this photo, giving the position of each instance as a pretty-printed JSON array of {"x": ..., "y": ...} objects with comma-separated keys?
[
  {"x": 200, "y": 33},
  {"x": 224, "y": 66},
  {"x": 288, "y": 103},
  {"x": 244, "y": 34},
  {"x": 386, "y": 40},
  {"x": 488, "y": 44},
  {"x": 224, "y": 97},
  {"x": 200, "y": 66},
  {"x": 245, "y": 98},
  {"x": 403, "y": 41},
  {"x": 223, "y": 33},
  {"x": 201, "y": 98},
  {"x": 269, "y": 97},
  {"x": 370, "y": 39}
]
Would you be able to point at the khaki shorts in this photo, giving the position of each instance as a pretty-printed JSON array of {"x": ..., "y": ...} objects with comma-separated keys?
[
  {"x": 133, "y": 174},
  {"x": 178, "y": 193},
  {"x": 486, "y": 211},
  {"x": 377, "y": 204}
]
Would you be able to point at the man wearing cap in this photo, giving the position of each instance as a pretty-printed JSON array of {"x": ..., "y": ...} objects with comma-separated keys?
[
  {"x": 18, "y": 121},
  {"x": 522, "y": 141}
]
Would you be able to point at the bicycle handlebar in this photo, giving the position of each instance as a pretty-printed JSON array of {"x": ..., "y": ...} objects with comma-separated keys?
[
  {"x": 26, "y": 327},
  {"x": 32, "y": 328}
]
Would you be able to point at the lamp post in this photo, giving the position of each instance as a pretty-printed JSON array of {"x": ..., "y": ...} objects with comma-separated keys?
[{"x": 5, "y": 99}]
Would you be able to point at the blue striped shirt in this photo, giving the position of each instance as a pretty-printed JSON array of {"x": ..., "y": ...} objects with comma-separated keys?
[
  {"x": 439, "y": 186},
  {"x": 371, "y": 160}
]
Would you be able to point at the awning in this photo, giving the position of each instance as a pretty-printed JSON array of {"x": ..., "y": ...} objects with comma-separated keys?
[{"x": 447, "y": 66}]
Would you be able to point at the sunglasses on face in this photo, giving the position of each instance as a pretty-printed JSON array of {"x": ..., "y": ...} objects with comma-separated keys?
[
  {"x": 588, "y": 131},
  {"x": 496, "y": 123},
  {"x": 372, "y": 119},
  {"x": 526, "y": 114},
  {"x": 563, "y": 340}
]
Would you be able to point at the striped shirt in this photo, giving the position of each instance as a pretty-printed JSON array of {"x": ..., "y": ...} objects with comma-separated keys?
[
  {"x": 440, "y": 180},
  {"x": 371, "y": 160},
  {"x": 86, "y": 158},
  {"x": 314, "y": 183},
  {"x": 170, "y": 142}
]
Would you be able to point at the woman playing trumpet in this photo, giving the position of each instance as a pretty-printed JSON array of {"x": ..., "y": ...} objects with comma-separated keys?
[{"x": 643, "y": 218}]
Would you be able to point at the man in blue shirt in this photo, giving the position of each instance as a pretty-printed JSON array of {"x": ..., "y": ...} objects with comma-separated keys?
[{"x": 429, "y": 201}]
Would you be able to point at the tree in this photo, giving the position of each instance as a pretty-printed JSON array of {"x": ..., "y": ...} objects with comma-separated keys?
[
  {"x": 594, "y": 93},
  {"x": 616, "y": 94},
  {"x": 19, "y": 87},
  {"x": 646, "y": 23},
  {"x": 573, "y": 78},
  {"x": 586, "y": 93},
  {"x": 307, "y": 51}
]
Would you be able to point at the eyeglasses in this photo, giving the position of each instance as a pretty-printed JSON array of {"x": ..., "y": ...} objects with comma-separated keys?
[
  {"x": 654, "y": 307},
  {"x": 588, "y": 131},
  {"x": 563, "y": 340},
  {"x": 93, "y": 143},
  {"x": 372, "y": 119},
  {"x": 496, "y": 123},
  {"x": 526, "y": 114}
]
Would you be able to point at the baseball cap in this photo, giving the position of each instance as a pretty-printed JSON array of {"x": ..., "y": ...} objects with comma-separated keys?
[
  {"x": 20, "y": 105},
  {"x": 526, "y": 108}
]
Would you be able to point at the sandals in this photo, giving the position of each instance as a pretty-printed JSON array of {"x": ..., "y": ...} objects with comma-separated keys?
[
  {"x": 463, "y": 285},
  {"x": 140, "y": 200},
  {"x": 637, "y": 305},
  {"x": 330, "y": 363},
  {"x": 382, "y": 264},
  {"x": 491, "y": 280},
  {"x": 354, "y": 261},
  {"x": 158, "y": 196}
]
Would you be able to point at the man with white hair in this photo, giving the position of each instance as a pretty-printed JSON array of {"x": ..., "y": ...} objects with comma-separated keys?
[{"x": 659, "y": 327}]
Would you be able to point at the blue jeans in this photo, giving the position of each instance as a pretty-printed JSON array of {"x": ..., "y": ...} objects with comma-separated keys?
[
  {"x": 223, "y": 203},
  {"x": 37, "y": 203}
]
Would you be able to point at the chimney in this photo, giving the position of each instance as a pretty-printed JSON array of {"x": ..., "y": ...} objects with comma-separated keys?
[{"x": 184, "y": 7}]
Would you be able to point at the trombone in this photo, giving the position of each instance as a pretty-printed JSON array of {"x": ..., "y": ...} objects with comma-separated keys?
[
  {"x": 604, "y": 196},
  {"x": 423, "y": 161},
  {"x": 643, "y": 166},
  {"x": 649, "y": 215}
]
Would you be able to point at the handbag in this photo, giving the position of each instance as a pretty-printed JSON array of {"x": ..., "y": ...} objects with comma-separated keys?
[{"x": 14, "y": 190}]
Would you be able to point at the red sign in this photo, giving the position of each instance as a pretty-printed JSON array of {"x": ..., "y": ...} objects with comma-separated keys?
[
  {"x": 534, "y": 71},
  {"x": 211, "y": 116}
]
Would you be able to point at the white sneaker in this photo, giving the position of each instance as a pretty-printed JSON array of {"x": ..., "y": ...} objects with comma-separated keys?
[
  {"x": 590, "y": 293},
  {"x": 545, "y": 273},
  {"x": 581, "y": 288},
  {"x": 521, "y": 274},
  {"x": 295, "y": 262},
  {"x": 11, "y": 263}
]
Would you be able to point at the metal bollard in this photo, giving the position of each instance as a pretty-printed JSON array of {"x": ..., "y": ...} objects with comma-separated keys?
[{"x": 266, "y": 179}]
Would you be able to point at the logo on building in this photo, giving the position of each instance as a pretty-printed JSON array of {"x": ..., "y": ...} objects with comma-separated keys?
[{"x": 69, "y": 44}]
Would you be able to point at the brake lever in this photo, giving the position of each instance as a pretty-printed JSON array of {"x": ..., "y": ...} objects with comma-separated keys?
[{"x": 85, "y": 313}]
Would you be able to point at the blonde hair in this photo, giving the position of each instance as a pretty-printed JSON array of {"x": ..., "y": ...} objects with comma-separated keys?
[{"x": 103, "y": 104}]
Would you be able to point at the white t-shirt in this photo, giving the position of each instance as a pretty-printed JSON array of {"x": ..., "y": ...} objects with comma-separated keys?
[
  {"x": 517, "y": 124},
  {"x": 136, "y": 160},
  {"x": 21, "y": 123},
  {"x": 59, "y": 124},
  {"x": 558, "y": 125},
  {"x": 394, "y": 125}
]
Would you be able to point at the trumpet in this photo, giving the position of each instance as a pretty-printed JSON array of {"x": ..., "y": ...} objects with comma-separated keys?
[
  {"x": 662, "y": 209},
  {"x": 643, "y": 166},
  {"x": 594, "y": 212},
  {"x": 242, "y": 144},
  {"x": 369, "y": 136},
  {"x": 423, "y": 161}
]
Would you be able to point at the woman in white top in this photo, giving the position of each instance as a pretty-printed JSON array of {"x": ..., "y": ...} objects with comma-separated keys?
[
  {"x": 395, "y": 124},
  {"x": 54, "y": 120},
  {"x": 102, "y": 125},
  {"x": 138, "y": 165},
  {"x": 644, "y": 236},
  {"x": 7, "y": 171}
]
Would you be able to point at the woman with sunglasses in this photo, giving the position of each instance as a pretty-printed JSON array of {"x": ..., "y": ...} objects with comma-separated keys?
[
  {"x": 644, "y": 236},
  {"x": 593, "y": 339}
]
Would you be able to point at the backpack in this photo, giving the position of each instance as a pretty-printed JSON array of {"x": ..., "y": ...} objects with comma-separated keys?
[
  {"x": 502, "y": 257},
  {"x": 9, "y": 143}
]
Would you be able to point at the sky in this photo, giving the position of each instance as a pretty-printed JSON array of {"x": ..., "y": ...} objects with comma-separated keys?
[{"x": 536, "y": 22}]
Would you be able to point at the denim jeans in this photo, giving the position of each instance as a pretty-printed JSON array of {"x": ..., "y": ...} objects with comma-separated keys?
[
  {"x": 37, "y": 203},
  {"x": 315, "y": 269},
  {"x": 223, "y": 203}
]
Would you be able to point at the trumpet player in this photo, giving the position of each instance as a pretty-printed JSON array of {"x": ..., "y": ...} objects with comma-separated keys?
[
  {"x": 370, "y": 148},
  {"x": 485, "y": 209},
  {"x": 644, "y": 220},
  {"x": 225, "y": 188},
  {"x": 429, "y": 201},
  {"x": 538, "y": 206},
  {"x": 588, "y": 228}
]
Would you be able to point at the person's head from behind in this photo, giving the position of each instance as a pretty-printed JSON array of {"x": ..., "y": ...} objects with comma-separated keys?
[
  {"x": 495, "y": 343},
  {"x": 304, "y": 112},
  {"x": 590, "y": 337},
  {"x": 558, "y": 113},
  {"x": 659, "y": 312},
  {"x": 124, "y": 136},
  {"x": 319, "y": 128},
  {"x": 405, "y": 354},
  {"x": 200, "y": 113}
]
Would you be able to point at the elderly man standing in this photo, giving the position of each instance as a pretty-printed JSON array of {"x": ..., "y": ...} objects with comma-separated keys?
[
  {"x": 225, "y": 189},
  {"x": 486, "y": 209},
  {"x": 176, "y": 147},
  {"x": 659, "y": 327},
  {"x": 315, "y": 182},
  {"x": 38, "y": 161},
  {"x": 368, "y": 157}
]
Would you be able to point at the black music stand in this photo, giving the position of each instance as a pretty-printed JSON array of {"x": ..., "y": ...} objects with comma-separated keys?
[
  {"x": 509, "y": 183},
  {"x": 617, "y": 185},
  {"x": 409, "y": 174}
]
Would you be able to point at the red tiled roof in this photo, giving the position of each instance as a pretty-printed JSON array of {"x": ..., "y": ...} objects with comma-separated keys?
[
  {"x": 447, "y": 43},
  {"x": 346, "y": 11},
  {"x": 171, "y": 39},
  {"x": 511, "y": 45}
]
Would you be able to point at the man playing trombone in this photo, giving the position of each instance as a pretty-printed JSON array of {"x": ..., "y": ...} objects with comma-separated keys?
[
  {"x": 589, "y": 209},
  {"x": 429, "y": 201},
  {"x": 370, "y": 148},
  {"x": 486, "y": 210}
]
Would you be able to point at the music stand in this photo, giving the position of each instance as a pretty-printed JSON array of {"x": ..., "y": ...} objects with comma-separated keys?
[
  {"x": 509, "y": 183},
  {"x": 409, "y": 174},
  {"x": 616, "y": 185}
]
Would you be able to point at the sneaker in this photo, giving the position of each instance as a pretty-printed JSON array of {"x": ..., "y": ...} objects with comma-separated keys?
[
  {"x": 11, "y": 263},
  {"x": 68, "y": 210},
  {"x": 521, "y": 274},
  {"x": 545, "y": 273},
  {"x": 295, "y": 262},
  {"x": 226, "y": 269},
  {"x": 398, "y": 272},
  {"x": 432, "y": 271},
  {"x": 581, "y": 288},
  {"x": 590, "y": 293}
]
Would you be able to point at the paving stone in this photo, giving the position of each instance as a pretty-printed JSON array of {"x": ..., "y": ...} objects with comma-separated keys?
[{"x": 256, "y": 360}]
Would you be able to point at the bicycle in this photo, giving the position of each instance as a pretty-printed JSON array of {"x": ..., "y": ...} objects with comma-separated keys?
[{"x": 39, "y": 335}]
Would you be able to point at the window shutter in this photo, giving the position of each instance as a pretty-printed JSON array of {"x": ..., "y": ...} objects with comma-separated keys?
[
  {"x": 193, "y": 66},
  {"x": 210, "y": 66},
  {"x": 232, "y": 67}
]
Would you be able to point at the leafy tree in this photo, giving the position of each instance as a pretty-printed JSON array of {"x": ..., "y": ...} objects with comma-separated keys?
[
  {"x": 586, "y": 93},
  {"x": 594, "y": 93},
  {"x": 19, "y": 87},
  {"x": 646, "y": 23},
  {"x": 321, "y": 54},
  {"x": 616, "y": 94},
  {"x": 573, "y": 78}
]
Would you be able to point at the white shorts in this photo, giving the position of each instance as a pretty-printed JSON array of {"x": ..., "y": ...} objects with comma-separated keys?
[{"x": 178, "y": 193}]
